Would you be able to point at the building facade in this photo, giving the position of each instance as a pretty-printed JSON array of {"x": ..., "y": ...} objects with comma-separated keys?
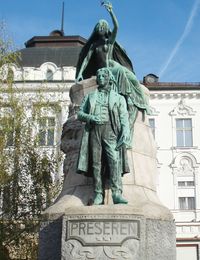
[{"x": 175, "y": 124}]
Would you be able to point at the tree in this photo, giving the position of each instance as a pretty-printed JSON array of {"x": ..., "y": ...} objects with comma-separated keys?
[{"x": 27, "y": 182}]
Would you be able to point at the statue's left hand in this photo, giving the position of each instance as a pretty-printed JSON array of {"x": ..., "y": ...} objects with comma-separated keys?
[{"x": 123, "y": 141}]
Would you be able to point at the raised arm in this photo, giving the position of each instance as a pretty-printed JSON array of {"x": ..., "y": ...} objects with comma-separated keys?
[{"x": 109, "y": 8}]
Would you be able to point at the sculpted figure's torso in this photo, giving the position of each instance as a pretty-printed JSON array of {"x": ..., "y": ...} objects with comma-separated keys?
[{"x": 102, "y": 52}]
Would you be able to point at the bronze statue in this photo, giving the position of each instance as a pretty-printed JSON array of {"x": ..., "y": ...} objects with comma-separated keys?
[
  {"x": 102, "y": 50},
  {"x": 105, "y": 137},
  {"x": 112, "y": 109}
]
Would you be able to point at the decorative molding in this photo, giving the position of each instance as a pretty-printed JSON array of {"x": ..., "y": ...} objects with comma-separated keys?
[
  {"x": 35, "y": 74},
  {"x": 184, "y": 164},
  {"x": 129, "y": 251},
  {"x": 182, "y": 110},
  {"x": 73, "y": 249},
  {"x": 48, "y": 66},
  {"x": 154, "y": 111},
  {"x": 161, "y": 95}
]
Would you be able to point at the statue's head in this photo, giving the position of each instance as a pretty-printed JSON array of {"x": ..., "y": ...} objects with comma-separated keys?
[
  {"x": 102, "y": 27},
  {"x": 105, "y": 77}
]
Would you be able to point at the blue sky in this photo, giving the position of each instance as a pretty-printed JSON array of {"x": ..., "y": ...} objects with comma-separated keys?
[{"x": 160, "y": 36}]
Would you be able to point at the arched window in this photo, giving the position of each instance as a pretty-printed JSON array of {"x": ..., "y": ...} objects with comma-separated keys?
[{"x": 49, "y": 75}]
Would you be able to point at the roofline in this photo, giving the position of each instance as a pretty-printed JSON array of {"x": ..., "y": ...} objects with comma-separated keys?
[
  {"x": 172, "y": 85},
  {"x": 53, "y": 39},
  {"x": 187, "y": 239},
  {"x": 41, "y": 81}
]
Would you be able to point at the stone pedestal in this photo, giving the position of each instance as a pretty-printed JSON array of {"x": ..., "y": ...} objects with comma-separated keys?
[
  {"x": 142, "y": 230},
  {"x": 108, "y": 232}
]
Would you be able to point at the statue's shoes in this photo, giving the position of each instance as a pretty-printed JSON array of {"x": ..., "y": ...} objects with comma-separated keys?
[
  {"x": 118, "y": 199},
  {"x": 98, "y": 200}
]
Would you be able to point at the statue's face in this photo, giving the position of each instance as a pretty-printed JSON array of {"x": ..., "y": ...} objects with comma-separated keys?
[
  {"x": 102, "y": 27},
  {"x": 102, "y": 78}
]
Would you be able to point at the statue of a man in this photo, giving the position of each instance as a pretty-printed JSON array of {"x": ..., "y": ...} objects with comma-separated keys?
[{"x": 106, "y": 136}]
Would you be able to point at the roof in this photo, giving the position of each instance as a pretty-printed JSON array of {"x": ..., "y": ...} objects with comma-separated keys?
[
  {"x": 62, "y": 56},
  {"x": 60, "y": 50}
]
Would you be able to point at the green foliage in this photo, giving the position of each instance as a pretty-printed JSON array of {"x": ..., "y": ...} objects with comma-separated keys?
[
  {"x": 27, "y": 173},
  {"x": 8, "y": 55}
]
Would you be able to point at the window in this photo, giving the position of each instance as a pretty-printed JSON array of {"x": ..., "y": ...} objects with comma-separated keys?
[
  {"x": 187, "y": 251},
  {"x": 186, "y": 183},
  {"x": 187, "y": 203},
  {"x": 152, "y": 126},
  {"x": 184, "y": 132},
  {"x": 49, "y": 75},
  {"x": 46, "y": 135}
]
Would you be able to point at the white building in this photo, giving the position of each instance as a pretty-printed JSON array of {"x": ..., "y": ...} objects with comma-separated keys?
[
  {"x": 47, "y": 66},
  {"x": 176, "y": 125},
  {"x": 44, "y": 73}
]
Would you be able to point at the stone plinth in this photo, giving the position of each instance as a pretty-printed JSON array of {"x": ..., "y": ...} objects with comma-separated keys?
[
  {"x": 108, "y": 232},
  {"x": 143, "y": 229}
]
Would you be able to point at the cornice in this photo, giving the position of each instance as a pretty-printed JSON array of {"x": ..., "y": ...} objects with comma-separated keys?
[
  {"x": 38, "y": 86},
  {"x": 172, "y": 86},
  {"x": 175, "y": 95}
]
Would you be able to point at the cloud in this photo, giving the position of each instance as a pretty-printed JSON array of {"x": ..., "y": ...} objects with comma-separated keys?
[{"x": 185, "y": 33}]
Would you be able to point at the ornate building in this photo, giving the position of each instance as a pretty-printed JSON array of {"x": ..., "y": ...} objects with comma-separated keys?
[{"x": 175, "y": 125}]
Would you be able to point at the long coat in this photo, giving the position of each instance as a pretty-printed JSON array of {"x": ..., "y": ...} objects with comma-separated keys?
[{"x": 119, "y": 121}]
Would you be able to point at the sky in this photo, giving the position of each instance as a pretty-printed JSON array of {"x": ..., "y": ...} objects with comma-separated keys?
[{"x": 160, "y": 36}]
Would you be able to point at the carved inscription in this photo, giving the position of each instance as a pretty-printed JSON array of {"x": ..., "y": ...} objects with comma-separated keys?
[{"x": 102, "y": 232}]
